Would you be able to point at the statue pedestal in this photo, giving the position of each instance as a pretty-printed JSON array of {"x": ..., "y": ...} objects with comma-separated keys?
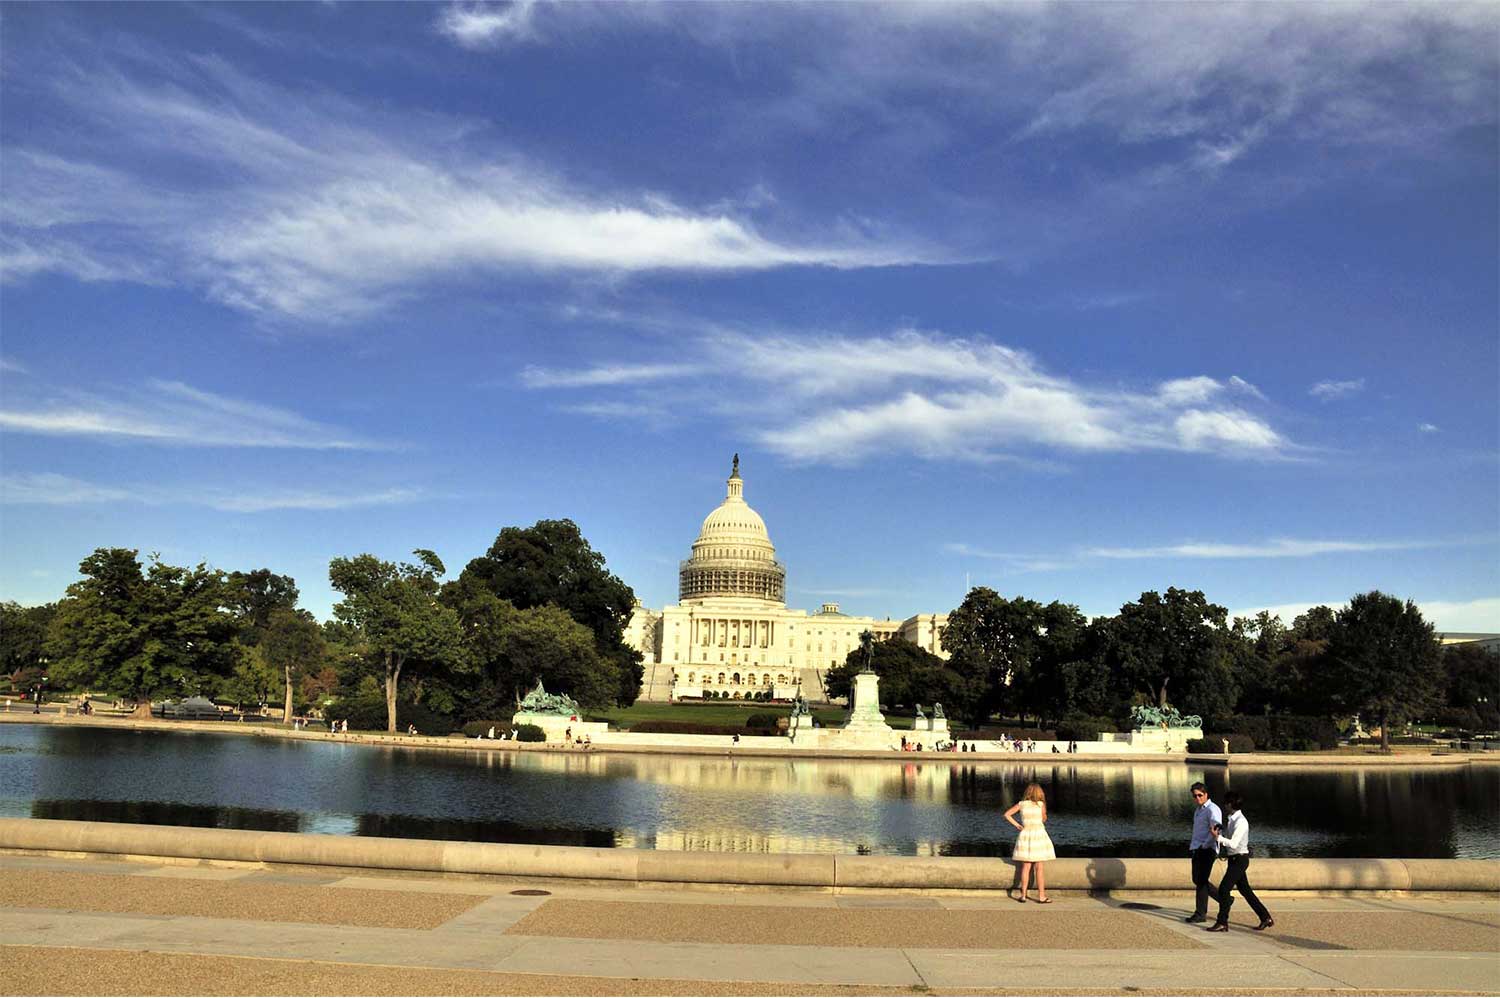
[
  {"x": 866, "y": 727},
  {"x": 1170, "y": 740},
  {"x": 556, "y": 725}
]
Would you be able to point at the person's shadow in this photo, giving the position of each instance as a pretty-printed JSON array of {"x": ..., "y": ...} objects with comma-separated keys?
[{"x": 1105, "y": 875}]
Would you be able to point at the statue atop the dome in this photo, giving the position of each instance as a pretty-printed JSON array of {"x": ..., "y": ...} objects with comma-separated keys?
[{"x": 735, "y": 471}]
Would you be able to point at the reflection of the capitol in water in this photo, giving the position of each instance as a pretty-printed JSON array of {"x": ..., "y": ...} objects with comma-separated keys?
[
  {"x": 924, "y": 808},
  {"x": 891, "y": 805}
]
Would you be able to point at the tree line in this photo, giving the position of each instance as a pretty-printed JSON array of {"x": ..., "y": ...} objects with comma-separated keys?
[
  {"x": 403, "y": 644},
  {"x": 1015, "y": 657}
]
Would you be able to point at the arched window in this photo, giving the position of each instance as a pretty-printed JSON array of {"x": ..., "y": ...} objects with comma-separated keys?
[
  {"x": 691, "y": 678},
  {"x": 721, "y": 677},
  {"x": 780, "y": 679},
  {"x": 735, "y": 679}
]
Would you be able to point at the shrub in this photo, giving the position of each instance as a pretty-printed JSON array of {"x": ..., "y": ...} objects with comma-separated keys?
[
  {"x": 767, "y": 721},
  {"x": 478, "y": 729},
  {"x": 685, "y": 728},
  {"x": 995, "y": 734},
  {"x": 530, "y": 733},
  {"x": 1214, "y": 742},
  {"x": 1079, "y": 728}
]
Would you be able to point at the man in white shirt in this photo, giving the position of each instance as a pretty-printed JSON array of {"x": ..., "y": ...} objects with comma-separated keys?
[
  {"x": 1204, "y": 848},
  {"x": 1234, "y": 844}
]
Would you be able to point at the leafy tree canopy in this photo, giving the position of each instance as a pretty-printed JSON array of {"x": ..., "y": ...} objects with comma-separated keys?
[
  {"x": 1177, "y": 646},
  {"x": 908, "y": 674},
  {"x": 394, "y": 610},
  {"x": 552, "y": 563},
  {"x": 1384, "y": 661},
  {"x": 255, "y": 596},
  {"x": 23, "y": 636},
  {"x": 166, "y": 632}
]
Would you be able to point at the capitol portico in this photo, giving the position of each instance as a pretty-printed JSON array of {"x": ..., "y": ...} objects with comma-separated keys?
[{"x": 731, "y": 631}]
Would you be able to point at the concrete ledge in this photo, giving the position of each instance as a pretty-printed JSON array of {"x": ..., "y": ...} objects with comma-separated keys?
[{"x": 826, "y": 871}]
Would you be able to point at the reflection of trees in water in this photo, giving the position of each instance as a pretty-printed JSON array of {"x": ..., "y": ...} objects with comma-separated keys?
[
  {"x": 151, "y": 812},
  {"x": 1368, "y": 812},
  {"x": 407, "y": 826}
]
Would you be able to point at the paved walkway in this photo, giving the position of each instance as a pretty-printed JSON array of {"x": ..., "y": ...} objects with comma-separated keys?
[{"x": 96, "y": 927}]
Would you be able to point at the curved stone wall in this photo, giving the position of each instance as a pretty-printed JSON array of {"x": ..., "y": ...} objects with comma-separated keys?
[{"x": 652, "y": 866}]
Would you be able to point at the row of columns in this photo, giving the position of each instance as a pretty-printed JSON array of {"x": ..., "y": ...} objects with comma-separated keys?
[{"x": 730, "y": 632}]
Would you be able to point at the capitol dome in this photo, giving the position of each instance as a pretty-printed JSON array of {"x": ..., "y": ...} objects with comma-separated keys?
[{"x": 733, "y": 556}]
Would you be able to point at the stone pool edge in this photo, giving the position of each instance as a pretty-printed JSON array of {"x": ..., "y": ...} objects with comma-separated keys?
[{"x": 117, "y": 840}]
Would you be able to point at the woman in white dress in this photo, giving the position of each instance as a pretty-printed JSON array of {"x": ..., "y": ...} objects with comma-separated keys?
[{"x": 1033, "y": 847}]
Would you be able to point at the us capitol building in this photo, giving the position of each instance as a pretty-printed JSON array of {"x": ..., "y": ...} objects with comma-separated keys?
[{"x": 731, "y": 630}]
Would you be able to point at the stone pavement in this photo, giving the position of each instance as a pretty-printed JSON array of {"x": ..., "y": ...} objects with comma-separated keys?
[{"x": 97, "y": 927}]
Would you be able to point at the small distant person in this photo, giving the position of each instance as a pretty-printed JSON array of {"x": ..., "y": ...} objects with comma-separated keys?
[
  {"x": 1033, "y": 845},
  {"x": 736, "y": 738},
  {"x": 903, "y": 743},
  {"x": 411, "y": 729},
  {"x": 1055, "y": 750},
  {"x": 568, "y": 734},
  {"x": 344, "y": 726},
  {"x": 588, "y": 741},
  {"x": 1204, "y": 847},
  {"x": 1234, "y": 844},
  {"x": 1225, "y": 743},
  {"x": 491, "y": 734}
]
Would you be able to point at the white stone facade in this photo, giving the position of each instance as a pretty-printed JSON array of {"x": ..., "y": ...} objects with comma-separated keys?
[{"x": 732, "y": 631}]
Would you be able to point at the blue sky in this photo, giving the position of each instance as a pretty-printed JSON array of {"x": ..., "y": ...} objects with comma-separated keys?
[{"x": 1072, "y": 301}]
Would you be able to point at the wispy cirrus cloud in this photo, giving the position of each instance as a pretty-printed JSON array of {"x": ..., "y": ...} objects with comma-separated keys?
[
  {"x": 613, "y": 374},
  {"x": 49, "y": 489},
  {"x": 844, "y": 398},
  {"x": 1330, "y": 390},
  {"x": 170, "y": 412},
  {"x": 1281, "y": 547},
  {"x": 306, "y": 205}
]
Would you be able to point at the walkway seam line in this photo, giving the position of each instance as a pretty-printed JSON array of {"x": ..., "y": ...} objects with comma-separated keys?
[{"x": 924, "y": 985}]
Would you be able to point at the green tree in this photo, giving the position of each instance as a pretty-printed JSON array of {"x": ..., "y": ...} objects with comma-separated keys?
[
  {"x": 252, "y": 680},
  {"x": 908, "y": 674},
  {"x": 395, "y": 611},
  {"x": 514, "y": 649},
  {"x": 254, "y": 597},
  {"x": 293, "y": 646},
  {"x": 992, "y": 643},
  {"x": 1058, "y": 657},
  {"x": 1473, "y": 681},
  {"x": 23, "y": 638},
  {"x": 168, "y": 631},
  {"x": 1178, "y": 645},
  {"x": 551, "y": 562},
  {"x": 1384, "y": 661}
]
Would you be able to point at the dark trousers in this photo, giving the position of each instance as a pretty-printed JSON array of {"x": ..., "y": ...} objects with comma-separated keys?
[
  {"x": 1235, "y": 878},
  {"x": 1203, "y": 868}
]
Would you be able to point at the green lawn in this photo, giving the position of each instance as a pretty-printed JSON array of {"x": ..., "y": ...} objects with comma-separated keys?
[{"x": 719, "y": 712}]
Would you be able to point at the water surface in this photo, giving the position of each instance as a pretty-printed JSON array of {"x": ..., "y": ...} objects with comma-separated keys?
[{"x": 896, "y": 807}]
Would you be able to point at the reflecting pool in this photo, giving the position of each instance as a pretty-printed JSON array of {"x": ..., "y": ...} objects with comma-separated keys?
[{"x": 896, "y": 806}]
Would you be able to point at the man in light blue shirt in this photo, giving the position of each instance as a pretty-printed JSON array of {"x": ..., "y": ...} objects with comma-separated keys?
[{"x": 1204, "y": 848}]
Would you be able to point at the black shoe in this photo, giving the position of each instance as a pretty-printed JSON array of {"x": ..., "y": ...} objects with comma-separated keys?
[
  {"x": 1219, "y": 927},
  {"x": 1265, "y": 923},
  {"x": 1196, "y": 918}
]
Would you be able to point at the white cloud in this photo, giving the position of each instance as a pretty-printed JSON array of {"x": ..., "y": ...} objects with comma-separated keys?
[
  {"x": 594, "y": 377},
  {"x": 488, "y": 25},
  {"x": 844, "y": 398},
  {"x": 1330, "y": 390},
  {"x": 1188, "y": 391},
  {"x": 8, "y": 366},
  {"x": 307, "y": 206},
  {"x": 1427, "y": 428},
  {"x": 1481, "y": 616},
  {"x": 1276, "y": 548},
  {"x": 49, "y": 489},
  {"x": 174, "y": 413}
]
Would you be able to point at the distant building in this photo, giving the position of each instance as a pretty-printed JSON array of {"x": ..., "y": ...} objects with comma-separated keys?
[
  {"x": 731, "y": 630},
  {"x": 1489, "y": 642}
]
